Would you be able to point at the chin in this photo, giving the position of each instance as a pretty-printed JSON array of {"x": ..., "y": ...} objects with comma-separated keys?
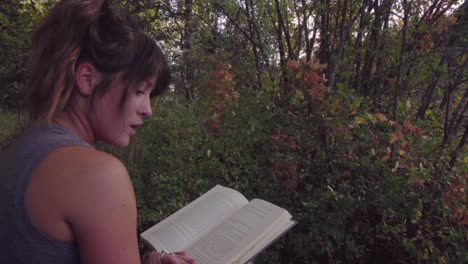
[{"x": 120, "y": 142}]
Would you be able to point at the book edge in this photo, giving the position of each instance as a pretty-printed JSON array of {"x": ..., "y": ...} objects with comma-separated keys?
[{"x": 243, "y": 260}]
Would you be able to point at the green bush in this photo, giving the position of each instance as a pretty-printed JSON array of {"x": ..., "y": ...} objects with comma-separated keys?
[
  {"x": 10, "y": 124},
  {"x": 360, "y": 185}
]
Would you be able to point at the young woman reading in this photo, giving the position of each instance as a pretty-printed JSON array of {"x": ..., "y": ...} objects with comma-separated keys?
[{"x": 92, "y": 74}]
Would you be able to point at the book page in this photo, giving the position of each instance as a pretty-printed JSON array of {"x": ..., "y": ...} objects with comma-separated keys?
[
  {"x": 265, "y": 242},
  {"x": 191, "y": 222},
  {"x": 238, "y": 233}
]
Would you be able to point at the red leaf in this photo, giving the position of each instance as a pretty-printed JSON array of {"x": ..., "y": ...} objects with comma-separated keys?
[
  {"x": 386, "y": 157},
  {"x": 375, "y": 140},
  {"x": 313, "y": 79},
  {"x": 347, "y": 174},
  {"x": 292, "y": 144},
  {"x": 406, "y": 146},
  {"x": 314, "y": 93},
  {"x": 293, "y": 64}
]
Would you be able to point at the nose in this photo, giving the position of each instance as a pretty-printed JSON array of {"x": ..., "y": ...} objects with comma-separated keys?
[{"x": 146, "y": 110}]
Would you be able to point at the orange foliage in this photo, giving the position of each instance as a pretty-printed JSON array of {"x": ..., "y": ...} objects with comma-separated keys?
[{"x": 223, "y": 95}]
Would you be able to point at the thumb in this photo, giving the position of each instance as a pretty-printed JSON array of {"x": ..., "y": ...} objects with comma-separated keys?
[{"x": 153, "y": 257}]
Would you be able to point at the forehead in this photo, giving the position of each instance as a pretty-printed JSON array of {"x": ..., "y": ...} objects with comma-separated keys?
[
  {"x": 150, "y": 82},
  {"x": 152, "y": 79}
]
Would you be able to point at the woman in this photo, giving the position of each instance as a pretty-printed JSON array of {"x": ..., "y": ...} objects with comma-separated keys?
[{"x": 62, "y": 201}]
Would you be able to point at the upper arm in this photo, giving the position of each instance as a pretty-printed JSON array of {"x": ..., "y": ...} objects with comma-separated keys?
[{"x": 101, "y": 211}]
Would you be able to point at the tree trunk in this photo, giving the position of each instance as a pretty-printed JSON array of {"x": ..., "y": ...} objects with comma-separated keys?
[
  {"x": 324, "y": 48},
  {"x": 250, "y": 15},
  {"x": 402, "y": 60},
  {"x": 187, "y": 71},
  {"x": 297, "y": 35},
  {"x": 337, "y": 54},
  {"x": 363, "y": 14},
  {"x": 305, "y": 18},
  {"x": 377, "y": 83},
  {"x": 429, "y": 93},
  {"x": 279, "y": 37},
  {"x": 369, "y": 58},
  {"x": 459, "y": 116},
  {"x": 460, "y": 147},
  {"x": 285, "y": 26}
]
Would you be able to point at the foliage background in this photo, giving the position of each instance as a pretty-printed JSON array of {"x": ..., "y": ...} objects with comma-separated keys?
[{"x": 350, "y": 114}]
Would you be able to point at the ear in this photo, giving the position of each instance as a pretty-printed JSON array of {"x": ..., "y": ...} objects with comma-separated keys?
[{"x": 87, "y": 77}]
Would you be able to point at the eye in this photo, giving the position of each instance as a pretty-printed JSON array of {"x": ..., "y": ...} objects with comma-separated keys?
[{"x": 139, "y": 92}]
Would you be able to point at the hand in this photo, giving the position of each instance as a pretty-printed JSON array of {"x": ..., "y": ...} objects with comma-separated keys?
[{"x": 178, "y": 257}]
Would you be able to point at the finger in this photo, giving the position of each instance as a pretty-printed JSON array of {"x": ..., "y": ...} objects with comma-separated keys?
[
  {"x": 171, "y": 259},
  {"x": 178, "y": 259},
  {"x": 153, "y": 258},
  {"x": 188, "y": 260}
]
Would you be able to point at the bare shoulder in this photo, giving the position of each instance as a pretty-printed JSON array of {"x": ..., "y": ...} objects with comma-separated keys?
[
  {"x": 98, "y": 203},
  {"x": 84, "y": 176},
  {"x": 86, "y": 160}
]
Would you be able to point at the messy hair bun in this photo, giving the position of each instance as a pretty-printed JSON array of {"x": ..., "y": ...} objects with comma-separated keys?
[{"x": 76, "y": 31}]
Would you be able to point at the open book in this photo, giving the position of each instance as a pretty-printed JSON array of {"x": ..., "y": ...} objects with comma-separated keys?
[{"x": 220, "y": 227}]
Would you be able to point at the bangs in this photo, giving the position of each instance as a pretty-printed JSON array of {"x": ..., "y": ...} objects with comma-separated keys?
[{"x": 148, "y": 61}]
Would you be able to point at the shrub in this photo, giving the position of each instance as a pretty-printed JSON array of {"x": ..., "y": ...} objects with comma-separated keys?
[{"x": 360, "y": 184}]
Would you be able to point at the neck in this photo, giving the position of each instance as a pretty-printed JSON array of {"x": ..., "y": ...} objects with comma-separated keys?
[{"x": 77, "y": 122}]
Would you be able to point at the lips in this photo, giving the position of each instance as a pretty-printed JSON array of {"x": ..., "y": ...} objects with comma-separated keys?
[{"x": 135, "y": 127}]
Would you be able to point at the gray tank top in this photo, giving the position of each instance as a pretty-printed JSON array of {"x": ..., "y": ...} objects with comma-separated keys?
[{"x": 20, "y": 241}]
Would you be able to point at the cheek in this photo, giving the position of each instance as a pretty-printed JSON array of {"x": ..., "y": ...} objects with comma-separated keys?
[
  {"x": 107, "y": 117},
  {"x": 132, "y": 104}
]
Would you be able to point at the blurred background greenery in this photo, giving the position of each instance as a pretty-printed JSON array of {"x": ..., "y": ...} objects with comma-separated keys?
[{"x": 350, "y": 114}]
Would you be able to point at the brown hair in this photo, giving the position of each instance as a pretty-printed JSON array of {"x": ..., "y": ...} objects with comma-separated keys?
[{"x": 76, "y": 31}]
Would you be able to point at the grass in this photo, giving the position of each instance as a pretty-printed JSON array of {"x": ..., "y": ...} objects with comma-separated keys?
[{"x": 9, "y": 126}]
